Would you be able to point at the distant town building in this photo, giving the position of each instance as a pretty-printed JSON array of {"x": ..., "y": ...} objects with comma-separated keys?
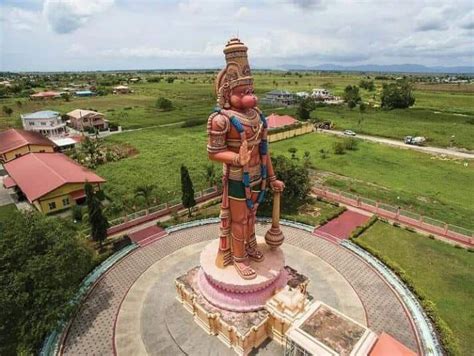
[
  {"x": 44, "y": 95},
  {"x": 15, "y": 143},
  {"x": 48, "y": 123},
  {"x": 321, "y": 93},
  {"x": 5, "y": 83},
  {"x": 82, "y": 93},
  {"x": 86, "y": 119},
  {"x": 275, "y": 121},
  {"x": 50, "y": 181},
  {"x": 302, "y": 94},
  {"x": 122, "y": 89},
  {"x": 279, "y": 97},
  {"x": 64, "y": 143}
]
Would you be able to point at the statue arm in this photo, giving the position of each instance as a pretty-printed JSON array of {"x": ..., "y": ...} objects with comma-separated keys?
[{"x": 217, "y": 128}]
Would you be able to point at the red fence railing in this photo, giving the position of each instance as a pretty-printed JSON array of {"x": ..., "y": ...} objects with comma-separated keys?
[{"x": 452, "y": 232}]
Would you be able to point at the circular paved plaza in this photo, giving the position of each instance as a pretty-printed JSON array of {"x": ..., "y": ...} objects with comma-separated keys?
[{"x": 132, "y": 310}]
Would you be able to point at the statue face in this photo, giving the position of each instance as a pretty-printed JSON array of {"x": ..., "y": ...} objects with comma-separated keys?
[{"x": 243, "y": 97}]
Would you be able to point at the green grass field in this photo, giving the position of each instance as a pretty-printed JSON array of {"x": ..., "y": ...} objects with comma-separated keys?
[
  {"x": 193, "y": 97},
  {"x": 441, "y": 189},
  {"x": 161, "y": 153},
  {"x": 441, "y": 272}
]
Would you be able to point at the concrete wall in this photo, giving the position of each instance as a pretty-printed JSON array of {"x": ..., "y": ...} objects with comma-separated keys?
[{"x": 306, "y": 128}]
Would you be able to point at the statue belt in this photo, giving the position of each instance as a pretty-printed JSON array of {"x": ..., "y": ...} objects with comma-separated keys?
[
  {"x": 236, "y": 173},
  {"x": 237, "y": 143}
]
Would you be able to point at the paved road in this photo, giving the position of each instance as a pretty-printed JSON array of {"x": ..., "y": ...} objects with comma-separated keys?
[
  {"x": 400, "y": 144},
  {"x": 92, "y": 331}
]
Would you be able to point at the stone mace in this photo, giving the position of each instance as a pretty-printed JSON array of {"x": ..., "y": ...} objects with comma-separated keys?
[{"x": 274, "y": 236}]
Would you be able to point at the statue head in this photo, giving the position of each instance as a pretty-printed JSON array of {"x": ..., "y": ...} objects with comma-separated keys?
[{"x": 234, "y": 83}]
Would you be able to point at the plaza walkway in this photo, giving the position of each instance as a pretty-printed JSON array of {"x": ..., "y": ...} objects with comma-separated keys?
[
  {"x": 341, "y": 227},
  {"x": 93, "y": 330}
]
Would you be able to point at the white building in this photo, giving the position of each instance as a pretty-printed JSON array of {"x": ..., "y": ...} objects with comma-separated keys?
[
  {"x": 48, "y": 123},
  {"x": 321, "y": 93}
]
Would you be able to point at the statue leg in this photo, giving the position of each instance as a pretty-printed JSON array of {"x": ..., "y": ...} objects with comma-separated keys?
[
  {"x": 251, "y": 246},
  {"x": 239, "y": 229}
]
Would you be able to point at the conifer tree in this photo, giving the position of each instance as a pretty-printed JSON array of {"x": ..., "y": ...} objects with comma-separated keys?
[{"x": 187, "y": 189}]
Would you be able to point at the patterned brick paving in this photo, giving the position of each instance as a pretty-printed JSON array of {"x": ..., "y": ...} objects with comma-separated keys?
[{"x": 91, "y": 332}]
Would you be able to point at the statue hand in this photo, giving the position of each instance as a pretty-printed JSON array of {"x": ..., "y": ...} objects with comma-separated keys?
[
  {"x": 244, "y": 154},
  {"x": 277, "y": 185}
]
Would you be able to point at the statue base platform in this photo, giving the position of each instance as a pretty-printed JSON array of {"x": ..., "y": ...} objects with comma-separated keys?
[
  {"x": 226, "y": 289},
  {"x": 242, "y": 331}
]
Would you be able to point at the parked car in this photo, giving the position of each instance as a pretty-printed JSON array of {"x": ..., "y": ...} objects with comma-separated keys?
[
  {"x": 417, "y": 141},
  {"x": 349, "y": 133}
]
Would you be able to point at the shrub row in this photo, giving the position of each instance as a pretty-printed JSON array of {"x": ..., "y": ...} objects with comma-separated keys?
[
  {"x": 361, "y": 229},
  {"x": 448, "y": 341}
]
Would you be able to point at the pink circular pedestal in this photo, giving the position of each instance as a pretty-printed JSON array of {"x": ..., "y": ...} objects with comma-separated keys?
[{"x": 224, "y": 287}]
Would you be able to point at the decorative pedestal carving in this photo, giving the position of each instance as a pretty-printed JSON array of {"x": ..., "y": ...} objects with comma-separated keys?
[{"x": 241, "y": 331}]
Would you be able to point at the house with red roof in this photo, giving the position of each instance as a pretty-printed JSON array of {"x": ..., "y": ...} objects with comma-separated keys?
[
  {"x": 281, "y": 127},
  {"x": 49, "y": 181},
  {"x": 275, "y": 121},
  {"x": 15, "y": 143},
  {"x": 45, "y": 95}
]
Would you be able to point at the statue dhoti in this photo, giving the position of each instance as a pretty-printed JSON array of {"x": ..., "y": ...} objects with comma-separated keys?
[{"x": 237, "y": 137}]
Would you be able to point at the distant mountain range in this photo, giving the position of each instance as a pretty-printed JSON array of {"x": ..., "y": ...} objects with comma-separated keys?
[{"x": 390, "y": 68}]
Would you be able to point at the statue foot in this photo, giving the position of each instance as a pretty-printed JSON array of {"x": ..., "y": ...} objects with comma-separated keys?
[
  {"x": 254, "y": 254},
  {"x": 244, "y": 270}
]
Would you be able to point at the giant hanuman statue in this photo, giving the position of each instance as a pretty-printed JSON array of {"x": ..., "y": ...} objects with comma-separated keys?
[{"x": 237, "y": 137}]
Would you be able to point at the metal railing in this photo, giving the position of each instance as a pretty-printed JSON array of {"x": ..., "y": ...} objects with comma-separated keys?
[{"x": 425, "y": 223}]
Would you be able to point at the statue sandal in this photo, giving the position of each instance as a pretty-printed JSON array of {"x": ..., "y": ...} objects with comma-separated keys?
[
  {"x": 245, "y": 271},
  {"x": 252, "y": 251}
]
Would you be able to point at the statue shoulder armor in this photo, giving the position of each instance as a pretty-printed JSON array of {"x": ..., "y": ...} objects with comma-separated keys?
[{"x": 218, "y": 123}]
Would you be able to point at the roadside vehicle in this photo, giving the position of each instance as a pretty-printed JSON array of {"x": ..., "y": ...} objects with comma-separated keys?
[
  {"x": 412, "y": 140},
  {"x": 349, "y": 133}
]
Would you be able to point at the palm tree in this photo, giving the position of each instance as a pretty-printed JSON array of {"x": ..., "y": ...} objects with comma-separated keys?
[
  {"x": 146, "y": 192},
  {"x": 210, "y": 174}
]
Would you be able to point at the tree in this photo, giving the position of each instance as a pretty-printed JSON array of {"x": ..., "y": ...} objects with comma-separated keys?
[
  {"x": 367, "y": 85},
  {"x": 146, "y": 192},
  {"x": 164, "y": 104},
  {"x": 7, "y": 110},
  {"x": 42, "y": 263},
  {"x": 293, "y": 151},
  {"x": 397, "y": 95},
  {"x": 297, "y": 184},
  {"x": 187, "y": 190},
  {"x": 305, "y": 108},
  {"x": 98, "y": 222},
  {"x": 351, "y": 96}
]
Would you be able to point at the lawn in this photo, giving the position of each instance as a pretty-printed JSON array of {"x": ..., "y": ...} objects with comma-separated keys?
[
  {"x": 437, "y": 127},
  {"x": 161, "y": 153},
  {"x": 439, "y": 188},
  {"x": 442, "y": 273}
]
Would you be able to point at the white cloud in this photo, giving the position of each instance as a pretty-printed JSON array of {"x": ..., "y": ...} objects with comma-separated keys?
[
  {"x": 242, "y": 12},
  {"x": 66, "y": 16},
  {"x": 20, "y": 19}
]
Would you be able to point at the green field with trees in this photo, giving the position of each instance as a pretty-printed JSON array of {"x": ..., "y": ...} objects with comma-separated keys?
[
  {"x": 439, "y": 188},
  {"x": 439, "y": 273}
]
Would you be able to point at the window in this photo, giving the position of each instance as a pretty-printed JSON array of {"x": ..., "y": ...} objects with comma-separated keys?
[
  {"x": 43, "y": 123},
  {"x": 31, "y": 123},
  {"x": 65, "y": 201},
  {"x": 52, "y": 205}
]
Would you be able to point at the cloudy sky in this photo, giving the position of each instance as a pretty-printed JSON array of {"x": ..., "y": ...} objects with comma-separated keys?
[{"x": 150, "y": 34}]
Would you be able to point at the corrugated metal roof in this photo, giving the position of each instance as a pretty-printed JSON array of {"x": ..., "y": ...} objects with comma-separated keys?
[
  {"x": 38, "y": 174},
  {"x": 46, "y": 114},
  {"x": 15, "y": 138}
]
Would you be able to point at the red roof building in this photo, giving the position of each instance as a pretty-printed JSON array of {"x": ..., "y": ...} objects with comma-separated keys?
[
  {"x": 388, "y": 346},
  {"x": 274, "y": 121},
  {"x": 15, "y": 143},
  {"x": 50, "y": 181},
  {"x": 45, "y": 95}
]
